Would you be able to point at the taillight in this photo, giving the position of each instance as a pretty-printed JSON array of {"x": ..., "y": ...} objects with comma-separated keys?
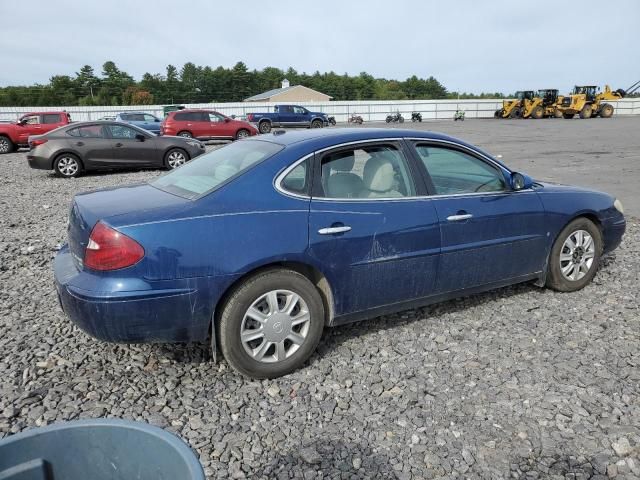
[
  {"x": 38, "y": 141},
  {"x": 109, "y": 249}
]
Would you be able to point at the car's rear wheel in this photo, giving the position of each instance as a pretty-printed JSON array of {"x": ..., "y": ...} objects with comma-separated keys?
[
  {"x": 67, "y": 165},
  {"x": 175, "y": 157},
  {"x": 6, "y": 145},
  {"x": 264, "y": 127},
  {"x": 575, "y": 256},
  {"x": 316, "y": 124},
  {"x": 185, "y": 134},
  {"x": 242, "y": 133},
  {"x": 271, "y": 324}
]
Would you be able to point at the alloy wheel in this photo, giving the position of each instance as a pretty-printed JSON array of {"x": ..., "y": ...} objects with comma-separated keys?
[
  {"x": 577, "y": 254},
  {"x": 68, "y": 166},
  {"x": 275, "y": 326},
  {"x": 175, "y": 159},
  {"x": 4, "y": 145}
]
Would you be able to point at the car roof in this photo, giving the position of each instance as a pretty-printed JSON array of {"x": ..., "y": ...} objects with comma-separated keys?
[
  {"x": 45, "y": 113},
  {"x": 140, "y": 111}
]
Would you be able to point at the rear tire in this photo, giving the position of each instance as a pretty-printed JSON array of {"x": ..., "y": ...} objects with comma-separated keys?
[
  {"x": 185, "y": 134},
  {"x": 175, "y": 158},
  {"x": 6, "y": 145},
  {"x": 67, "y": 165},
  {"x": 242, "y": 133},
  {"x": 586, "y": 111},
  {"x": 264, "y": 127},
  {"x": 606, "y": 110},
  {"x": 276, "y": 346},
  {"x": 564, "y": 257}
]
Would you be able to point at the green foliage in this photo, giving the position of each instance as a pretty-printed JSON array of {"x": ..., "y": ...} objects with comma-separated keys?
[{"x": 197, "y": 84}]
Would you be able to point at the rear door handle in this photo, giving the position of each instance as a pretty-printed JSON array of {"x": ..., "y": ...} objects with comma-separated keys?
[
  {"x": 458, "y": 218},
  {"x": 334, "y": 230}
]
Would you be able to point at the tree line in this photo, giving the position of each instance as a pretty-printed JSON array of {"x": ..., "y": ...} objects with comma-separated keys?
[{"x": 197, "y": 84}]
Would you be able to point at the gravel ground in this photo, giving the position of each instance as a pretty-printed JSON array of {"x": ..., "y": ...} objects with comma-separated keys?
[{"x": 517, "y": 383}]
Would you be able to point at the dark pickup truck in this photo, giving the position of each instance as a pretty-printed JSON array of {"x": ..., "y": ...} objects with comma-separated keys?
[
  {"x": 16, "y": 134},
  {"x": 288, "y": 116}
]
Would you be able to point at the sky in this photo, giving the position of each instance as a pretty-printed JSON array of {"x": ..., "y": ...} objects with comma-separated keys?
[{"x": 472, "y": 46}]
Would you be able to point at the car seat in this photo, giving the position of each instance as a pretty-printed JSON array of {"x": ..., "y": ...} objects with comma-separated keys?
[
  {"x": 379, "y": 177},
  {"x": 340, "y": 181}
]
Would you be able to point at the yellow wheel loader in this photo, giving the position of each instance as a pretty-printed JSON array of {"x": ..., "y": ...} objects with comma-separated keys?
[
  {"x": 587, "y": 102},
  {"x": 544, "y": 104},
  {"x": 514, "y": 108}
]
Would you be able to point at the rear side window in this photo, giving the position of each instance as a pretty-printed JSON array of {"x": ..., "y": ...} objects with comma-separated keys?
[
  {"x": 87, "y": 131},
  {"x": 51, "y": 118},
  {"x": 212, "y": 170},
  {"x": 297, "y": 180},
  {"x": 191, "y": 117}
]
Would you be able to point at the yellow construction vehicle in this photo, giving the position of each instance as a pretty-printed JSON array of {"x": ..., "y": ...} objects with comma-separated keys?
[
  {"x": 513, "y": 108},
  {"x": 587, "y": 102},
  {"x": 544, "y": 104}
]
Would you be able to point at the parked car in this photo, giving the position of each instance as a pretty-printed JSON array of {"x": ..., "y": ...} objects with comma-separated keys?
[
  {"x": 205, "y": 125},
  {"x": 293, "y": 116},
  {"x": 247, "y": 243},
  {"x": 16, "y": 134},
  {"x": 86, "y": 146},
  {"x": 141, "y": 119},
  {"x": 109, "y": 118}
]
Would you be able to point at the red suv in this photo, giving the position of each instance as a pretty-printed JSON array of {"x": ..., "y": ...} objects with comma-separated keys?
[{"x": 205, "y": 125}]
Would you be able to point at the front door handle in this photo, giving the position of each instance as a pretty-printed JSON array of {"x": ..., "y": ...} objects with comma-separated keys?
[
  {"x": 334, "y": 230},
  {"x": 458, "y": 218}
]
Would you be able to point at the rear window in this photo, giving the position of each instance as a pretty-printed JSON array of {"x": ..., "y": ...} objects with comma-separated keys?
[
  {"x": 51, "y": 118},
  {"x": 214, "y": 169}
]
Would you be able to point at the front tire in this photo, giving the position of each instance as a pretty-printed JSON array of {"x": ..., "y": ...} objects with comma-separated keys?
[
  {"x": 575, "y": 256},
  {"x": 67, "y": 165},
  {"x": 6, "y": 145},
  {"x": 185, "y": 134},
  {"x": 586, "y": 111},
  {"x": 537, "y": 113},
  {"x": 568, "y": 116},
  {"x": 271, "y": 324},
  {"x": 175, "y": 158},
  {"x": 316, "y": 124}
]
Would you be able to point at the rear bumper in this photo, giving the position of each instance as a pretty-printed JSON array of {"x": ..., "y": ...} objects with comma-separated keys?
[
  {"x": 159, "y": 311},
  {"x": 38, "y": 162}
]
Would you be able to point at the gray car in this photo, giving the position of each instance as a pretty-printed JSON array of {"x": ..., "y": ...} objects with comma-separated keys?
[{"x": 101, "y": 145}]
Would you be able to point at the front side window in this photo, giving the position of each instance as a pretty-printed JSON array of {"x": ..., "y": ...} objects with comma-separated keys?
[
  {"x": 31, "y": 120},
  {"x": 367, "y": 171},
  {"x": 212, "y": 170},
  {"x": 87, "y": 131},
  {"x": 299, "y": 110},
  {"x": 122, "y": 132},
  {"x": 149, "y": 118},
  {"x": 215, "y": 117},
  {"x": 454, "y": 172}
]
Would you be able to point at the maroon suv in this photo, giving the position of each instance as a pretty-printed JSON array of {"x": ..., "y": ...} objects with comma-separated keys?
[{"x": 205, "y": 125}]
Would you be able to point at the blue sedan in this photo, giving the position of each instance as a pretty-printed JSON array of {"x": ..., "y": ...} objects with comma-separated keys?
[{"x": 262, "y": 243}]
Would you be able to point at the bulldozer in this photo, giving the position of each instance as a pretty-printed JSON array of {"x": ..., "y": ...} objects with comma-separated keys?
[
  {"x": 587, "y": 102},
  {"x": 544, "y": 104},
  {"x": 514, "y": 108}
]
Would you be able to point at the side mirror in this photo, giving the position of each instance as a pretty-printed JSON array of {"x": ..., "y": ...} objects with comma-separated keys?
[
  {"x": 140, "y": 137},
  {"x": 21, "y": 121},
  {"x": 157, "y": 120},
  {"x": 520, "y": 181},
  {"x": 227, "y": 120}
]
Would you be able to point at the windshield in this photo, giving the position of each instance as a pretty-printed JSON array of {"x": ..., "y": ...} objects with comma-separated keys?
[{"x": 212, "y": 170}]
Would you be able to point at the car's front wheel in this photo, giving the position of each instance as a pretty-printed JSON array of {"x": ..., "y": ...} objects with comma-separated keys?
[
  {"x": 67, "y": 165},
  {"x": 185, "y": 134},
  {"x": 575, "y": 256},
  {"x": 175, "y": 157},
  {"x": 271, "y": 324},
  {"x": 242, "y": 133}
]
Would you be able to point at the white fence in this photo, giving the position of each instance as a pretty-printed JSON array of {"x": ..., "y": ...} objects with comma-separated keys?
[{"x": 369, "y": 110}]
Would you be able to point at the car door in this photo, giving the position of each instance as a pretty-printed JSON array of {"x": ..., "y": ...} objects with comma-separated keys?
[
  {"x": 132, "y": 147},
  {"x": 29, "y": 125},
  {"x": 376, "y": 237},
  {"x": 151, "y": 123},
  {"x": 51, "y": 121},
  {"x": 286, "y": 116},
  {"x": 491, "y": 234},
  {"x": 302, "y": 116},
  {"x": 92, "y": 143},
  {"x": 220, "y": 126},
  {"x": 199, "y": 124}
]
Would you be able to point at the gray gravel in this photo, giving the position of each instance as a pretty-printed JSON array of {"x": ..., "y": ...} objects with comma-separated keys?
[{"x": 517, "y": 383}]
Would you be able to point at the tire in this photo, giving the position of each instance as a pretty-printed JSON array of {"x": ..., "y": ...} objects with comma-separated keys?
[
  {"x": 497, "y": 114},
  {"x": 537, "y": 113},
  {"x": 67, "y": 165},
  {"x": 316, "y": 124},
  {"x": 557, "y": 113},
  {"x": 570, "y": 281},
  {"x": 567, "y": 116},
  {"x": 185, "y": 134},
  {"x": 252, "y": 294},
  {"x": 242, "y": 133},
  {"x": 6, "y": 145},
  {"x": 175, "y": 157},
  {"x": 606, "y": 110},
  {"x": 515, "y": 113},
  {"x": 389, "y": 119},
  {"x": 401, "y": 119},
  {"x": 264, "y": 127},
  {"x": 586, "y": 111}
]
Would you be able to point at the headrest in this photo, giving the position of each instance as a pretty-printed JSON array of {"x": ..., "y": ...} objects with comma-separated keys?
[
  {"x": 378, "y": 173},
  {"x": 343, "y": 163}
]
